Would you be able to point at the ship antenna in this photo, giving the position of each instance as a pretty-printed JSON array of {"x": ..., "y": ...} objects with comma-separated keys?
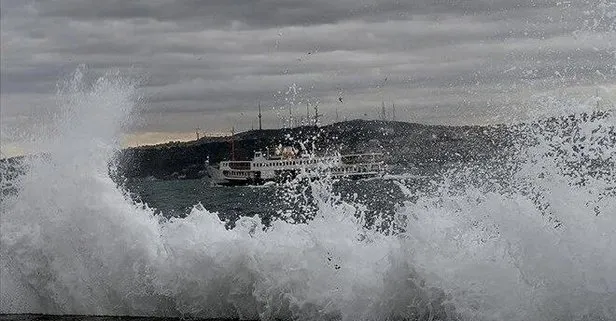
[{"x": 233, "y": 143}]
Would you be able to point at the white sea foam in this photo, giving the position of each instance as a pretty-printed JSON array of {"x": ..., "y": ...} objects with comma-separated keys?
[{"x": 539, "y": 249}]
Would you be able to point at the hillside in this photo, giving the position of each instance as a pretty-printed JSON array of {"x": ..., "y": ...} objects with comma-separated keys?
[{"x": 404, "y": 144}]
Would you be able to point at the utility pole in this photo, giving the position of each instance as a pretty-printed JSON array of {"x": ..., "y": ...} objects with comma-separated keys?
[
  {"x": 260, "y": 128},
  {"x": 307, "y": 114},
  {"x": 383, "y": 110}
]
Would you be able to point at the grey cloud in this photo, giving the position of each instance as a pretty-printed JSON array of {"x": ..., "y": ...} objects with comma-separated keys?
[
  {"x": 206, "y": 61},
  {"x": 279, "y": 12}
]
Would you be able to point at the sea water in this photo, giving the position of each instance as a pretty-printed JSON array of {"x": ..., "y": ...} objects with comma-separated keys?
[{"x": 535, "y": 244}]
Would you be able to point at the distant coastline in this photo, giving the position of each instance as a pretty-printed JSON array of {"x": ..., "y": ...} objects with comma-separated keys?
[{"x": 405, "y": 145}]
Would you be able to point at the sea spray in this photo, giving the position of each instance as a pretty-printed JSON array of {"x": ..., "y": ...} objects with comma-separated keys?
[
  {"x": 539, "y": 239},
  {"x": 66, "y": 234},
  {"x": 74, "y": 242}
]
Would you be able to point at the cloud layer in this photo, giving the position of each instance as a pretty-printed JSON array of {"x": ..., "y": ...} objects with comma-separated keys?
[{"x": 208, "y": 63}]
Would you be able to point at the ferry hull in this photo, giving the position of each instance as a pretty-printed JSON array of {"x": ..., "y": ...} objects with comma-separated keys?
[
  {"x": 218, "y": 178},
  {"x": 285, "y": 167}
]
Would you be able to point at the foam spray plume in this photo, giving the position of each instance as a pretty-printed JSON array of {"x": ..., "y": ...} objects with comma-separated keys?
[{"x": 75, "y": 243}]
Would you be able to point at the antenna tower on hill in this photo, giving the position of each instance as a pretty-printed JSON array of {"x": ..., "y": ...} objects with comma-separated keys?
[
  {"x": 260, "y": 127},
  {"x": 316, "y": 114},
  {"x": 393, "y": 111}
]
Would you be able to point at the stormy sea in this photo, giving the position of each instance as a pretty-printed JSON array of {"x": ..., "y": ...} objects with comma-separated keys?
[{"x": 531, "y": 236}]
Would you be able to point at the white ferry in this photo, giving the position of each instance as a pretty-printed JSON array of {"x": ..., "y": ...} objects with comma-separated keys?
[{"x": 286, "y": 164}]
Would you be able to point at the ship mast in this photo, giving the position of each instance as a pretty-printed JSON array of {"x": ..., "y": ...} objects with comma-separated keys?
[{"x": 290, "y": 117}]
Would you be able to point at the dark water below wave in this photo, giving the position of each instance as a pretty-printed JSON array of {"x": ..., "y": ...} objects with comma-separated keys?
[{"x": 176, "y": 198}]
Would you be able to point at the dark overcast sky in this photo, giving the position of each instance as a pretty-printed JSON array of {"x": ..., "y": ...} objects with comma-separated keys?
[{"x": 208, "y": 63}]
